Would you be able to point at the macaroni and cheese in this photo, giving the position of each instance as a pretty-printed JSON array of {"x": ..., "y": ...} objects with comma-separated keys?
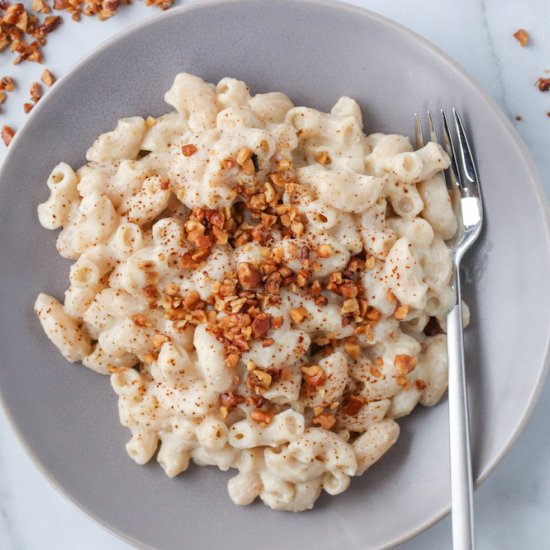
[{"x": 264, "y": 284}]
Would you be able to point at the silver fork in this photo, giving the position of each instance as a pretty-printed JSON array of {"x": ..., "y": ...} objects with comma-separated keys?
[{"x": 464, "y": 186}]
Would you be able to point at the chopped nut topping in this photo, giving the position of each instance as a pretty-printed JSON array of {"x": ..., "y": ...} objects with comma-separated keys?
[
  {"x": 159, "y": 339},
  {"x": 352, "y": 405},
  {"x": 2, "y": 97},
  {"x": 243, "y": 155},
  {"x": 404, "y": 364},
  {"x": 522, "y": 37},
  {"x": 324, "y": 251},
  {"x": 230, "y": 399},
  {"x": 189, "y": 150},
  {"x": 401, "y": 312},
  {"x": 352, "y": 347},
  {"x": 141, "y": 320},
  {"x": 326, "y": 421},
  {"x": 314, "y": 375},
  {"x": 7, "y": 134},
  {"x": 258, "y": 381},
  {"x": 350, "y": 306},
  {"x": 27, "y": 107},
  {"x": 298, "y": 314},
  {"x": 543, "y": 84},
  {"x": 36, "y": 92},
  {"x": 262, "y": 417},
  {"x": 249, "y": 276},
  {"x": 40, "y": 6},
  {"x": 261, "y": 325},
  {"x": 7, "y": 83},
  {"x": 323, "y": 158},
  {"x": 348, "y": 289},
  {"x": 48, "y": 78}
]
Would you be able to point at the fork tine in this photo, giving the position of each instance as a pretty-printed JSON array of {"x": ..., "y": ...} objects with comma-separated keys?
[
  {"x": 418, "y": 131},
  {"x": 467, "y": 165},
  {"x": 433, "y": 135},
  {"x": 452, "y": 176}
]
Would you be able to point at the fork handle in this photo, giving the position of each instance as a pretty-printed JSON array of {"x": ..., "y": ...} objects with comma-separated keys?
[{"x": 461, "y": 464}]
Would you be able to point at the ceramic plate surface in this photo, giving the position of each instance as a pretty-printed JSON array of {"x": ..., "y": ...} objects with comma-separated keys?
[{"x": 315, "y": 52}]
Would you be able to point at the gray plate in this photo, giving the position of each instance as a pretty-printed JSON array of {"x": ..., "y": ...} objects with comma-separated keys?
[{"x": 315, "y": 52}]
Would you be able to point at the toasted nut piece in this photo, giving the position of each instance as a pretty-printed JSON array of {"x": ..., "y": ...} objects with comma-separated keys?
[
  {"x": 40, "y": 6},
  {"x": 273, "y": 283},
  {"x": 189, "y": 150},
  {"x": 522, "y": 37},
  {"x": 404, "y": 364},
  {"x": 243, "y": 155},
  {"x": 159, "y": 339},
  {"x": 314, "y": 375},
  {"x": 352, "y": 405},
  {"x": 2, "y": 97},
  {"x": 249, "y": 276},
  {"x": 36, "y": 91},
  {"x": 261, "y": 325},
  {"x": 232, "y": 360},
  {"x": 191, "y": 301},
  {"x": 326, "y": 421},
  {"x": 324, "y": 251},
  {"x": 352, "y": 347},
  {"x": 297, "y": 228},
  {"x": 259, "y": 380},
  {"x": 298, "y": 314},
  {"x": 348, "y": 289},
  {"x": 350, "y": 306},
  {"x": 7, "y": 83},
  {"x": 27, "y": 107},
  {"x": 401, "y": 312},
  {"x": 7, "y": 134},
  {"x": 373, "y": 314},
  {"x": 248, "y": 167},
  {"x": 277, "y": 322},
  {"x": 262, "y": 417},
  {"x": 323, "y": 157},
  {"x": 140, "y": 320},
  {"x": 269, "y": 193},
  {"x": 48, "y": 78}
]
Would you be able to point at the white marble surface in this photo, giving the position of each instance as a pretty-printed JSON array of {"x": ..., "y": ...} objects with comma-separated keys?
[{"x": 513, "y": 507}]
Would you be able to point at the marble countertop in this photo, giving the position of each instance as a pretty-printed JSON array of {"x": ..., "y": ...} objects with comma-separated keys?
[{"x": 513, "y": 506}]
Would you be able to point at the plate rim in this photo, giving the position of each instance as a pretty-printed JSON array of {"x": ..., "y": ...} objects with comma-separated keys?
[{"x": 394, "y": 26}]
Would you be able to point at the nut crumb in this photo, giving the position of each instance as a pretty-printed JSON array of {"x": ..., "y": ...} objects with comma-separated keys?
[
  {"x": 522, "y": 37},
  {"x": 188, "y": 150},
  {"x": 48, "y": 78},
  {"x": 7, "y": 83},
  {"x": 7, "y": 134},
  {"x": 36, "y": 92}
]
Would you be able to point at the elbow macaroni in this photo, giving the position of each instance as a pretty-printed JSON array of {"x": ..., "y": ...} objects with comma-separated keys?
[{"x": 262, "y": 282}]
